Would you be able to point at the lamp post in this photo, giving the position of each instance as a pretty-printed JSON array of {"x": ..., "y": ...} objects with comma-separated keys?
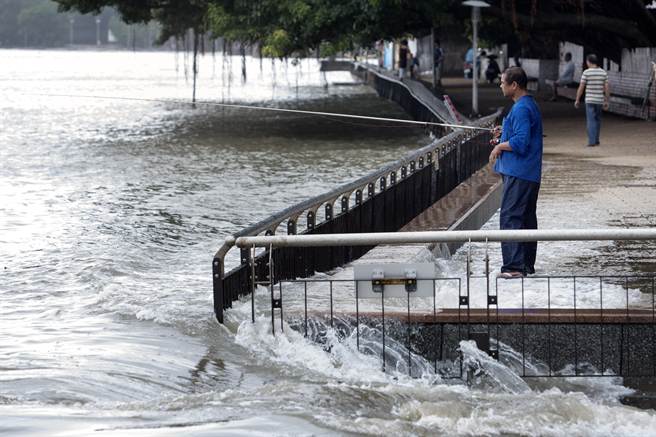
[
  {"x": 476, "y": 6},
  {"x": 98, "y": 31}
]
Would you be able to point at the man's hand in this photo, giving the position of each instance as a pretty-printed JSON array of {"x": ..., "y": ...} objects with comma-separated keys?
[
  {"x": 577, "y": 104},
  {"x": 606, "y": 106},
  {"x": 496, "y": 135},
  {"x": 496, "y": 152}
]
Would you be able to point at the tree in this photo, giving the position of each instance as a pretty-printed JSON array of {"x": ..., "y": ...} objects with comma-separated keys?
[{"x": 288, "y": 27}]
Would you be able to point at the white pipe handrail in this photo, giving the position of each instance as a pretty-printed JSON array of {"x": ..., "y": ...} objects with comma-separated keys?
[{"x": 394, "y": 238}]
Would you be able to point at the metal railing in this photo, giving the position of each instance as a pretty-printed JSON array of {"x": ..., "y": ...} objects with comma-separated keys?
[
  {"x": 596, "y": 339},
  {"x": 384, "y": 200},
  {"x": 389, "y": 87}
]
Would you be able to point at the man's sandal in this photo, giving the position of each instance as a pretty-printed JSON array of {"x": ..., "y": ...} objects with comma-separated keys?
[{"x": 510, "y": 275}]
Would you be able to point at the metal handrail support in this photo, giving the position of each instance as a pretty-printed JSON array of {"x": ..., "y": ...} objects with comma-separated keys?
[{"x": 424, "y": 237}]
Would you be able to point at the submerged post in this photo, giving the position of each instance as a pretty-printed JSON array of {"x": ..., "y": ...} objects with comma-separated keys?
[{"x": 217, "y": 286}]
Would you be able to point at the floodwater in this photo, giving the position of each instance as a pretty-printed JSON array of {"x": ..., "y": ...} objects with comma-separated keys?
[{"x": 110, "y": 212}]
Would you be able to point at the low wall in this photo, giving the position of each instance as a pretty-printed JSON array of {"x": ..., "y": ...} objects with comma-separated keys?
[
  {"x": 529, "y": 349},
  {"x": 541, "y": 70}
]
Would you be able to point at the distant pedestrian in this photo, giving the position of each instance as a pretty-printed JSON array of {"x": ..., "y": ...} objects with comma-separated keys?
[
  {"x": 438, "y": 58},
  {"x": 594, "y": 81},
  {"x": 518, "y": 159},
  {"x": 493, "y": 70},
  {"x": 380, "y": 52},
  {"x": 468, "y": 66},
  {"x": 404, "y": 53},
  {"x": 566, "y": 78},
  {"x": 517, "y": 61},
  {"x": 414, "y": 65}
]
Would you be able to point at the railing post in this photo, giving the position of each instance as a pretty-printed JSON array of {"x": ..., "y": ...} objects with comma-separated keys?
[
  {"x": 295, "y": 255},
  {"x": 247, "y": 279},
  {"x": 253, "y": 282},
  {"x": 329, "y": 227},
  {"x": 218, "y": 275},
  {"x": 356, "y": 223},
  {"x": 308, "y": 258},
  {"x": 346, "y": 252},
  {"x": 382, "y": 219}
]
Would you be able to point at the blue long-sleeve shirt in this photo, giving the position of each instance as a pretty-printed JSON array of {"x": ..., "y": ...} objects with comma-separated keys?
[{"x": 522, "y": 128}]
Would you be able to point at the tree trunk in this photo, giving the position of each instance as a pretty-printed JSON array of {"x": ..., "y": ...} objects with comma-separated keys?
[{"x": 195, "y": 67}]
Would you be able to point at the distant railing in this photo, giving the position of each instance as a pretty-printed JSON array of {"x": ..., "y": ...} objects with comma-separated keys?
[
  {"x": 382, "y": 201},
  {"x": 404, "y": 96}
]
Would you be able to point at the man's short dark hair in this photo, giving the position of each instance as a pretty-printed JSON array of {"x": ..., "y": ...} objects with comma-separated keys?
[
  {"x": 516, "y": 74},
  {"x": 568, "y": 56},
  {"x": 592, "y": 58}
]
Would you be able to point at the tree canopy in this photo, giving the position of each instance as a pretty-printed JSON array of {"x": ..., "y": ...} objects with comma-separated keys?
[{"x": 295, "y": 27}]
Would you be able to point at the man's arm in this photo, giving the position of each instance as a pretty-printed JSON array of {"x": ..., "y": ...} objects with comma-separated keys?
[
  {"x": 579, "y": 93},
  {"x": 518, "y": 141},
  {"x": 606, "y": 94}
]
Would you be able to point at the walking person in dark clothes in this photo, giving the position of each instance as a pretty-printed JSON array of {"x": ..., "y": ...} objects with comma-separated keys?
[
  {"x": 517, "y": 157},
  {"x": 404, "y": 52}
]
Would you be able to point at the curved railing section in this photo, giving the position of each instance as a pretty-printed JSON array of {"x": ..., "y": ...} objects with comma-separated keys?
[
  {"x": 402, "y": 93},
  {"x": 382, "y": 201}
]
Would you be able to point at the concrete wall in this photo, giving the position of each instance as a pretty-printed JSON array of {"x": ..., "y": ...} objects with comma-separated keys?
[
  {"x": 425, "y": 54},
  {"x": 541, "y": 69}
]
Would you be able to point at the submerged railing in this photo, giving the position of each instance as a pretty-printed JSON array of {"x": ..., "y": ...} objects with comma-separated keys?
[
  {"x": 382, "y": 201},
  {"x": 588, "y": 338}
]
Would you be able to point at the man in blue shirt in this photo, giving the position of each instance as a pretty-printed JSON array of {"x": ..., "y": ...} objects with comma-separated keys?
[{"x": 518, "y": 159}]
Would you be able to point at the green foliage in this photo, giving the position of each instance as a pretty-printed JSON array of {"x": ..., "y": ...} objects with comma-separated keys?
[
  {"x": 295, "y": 27},
  {"x": 277, "y": 44}
]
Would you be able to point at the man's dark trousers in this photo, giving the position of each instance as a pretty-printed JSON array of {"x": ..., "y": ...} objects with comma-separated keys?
[{"x": 518, "y": 211}]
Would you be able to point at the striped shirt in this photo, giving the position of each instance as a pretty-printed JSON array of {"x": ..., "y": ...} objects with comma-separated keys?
[{"x": 594, "y": 80}]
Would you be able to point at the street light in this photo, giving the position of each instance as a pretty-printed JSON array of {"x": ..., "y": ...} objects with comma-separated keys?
[
  {"x": 476, "y": 6},
  {"x": 98, "y": 31}
]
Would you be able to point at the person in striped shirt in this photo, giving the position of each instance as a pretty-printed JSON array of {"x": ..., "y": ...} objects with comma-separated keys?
[{"x": 594, "y": 81}]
